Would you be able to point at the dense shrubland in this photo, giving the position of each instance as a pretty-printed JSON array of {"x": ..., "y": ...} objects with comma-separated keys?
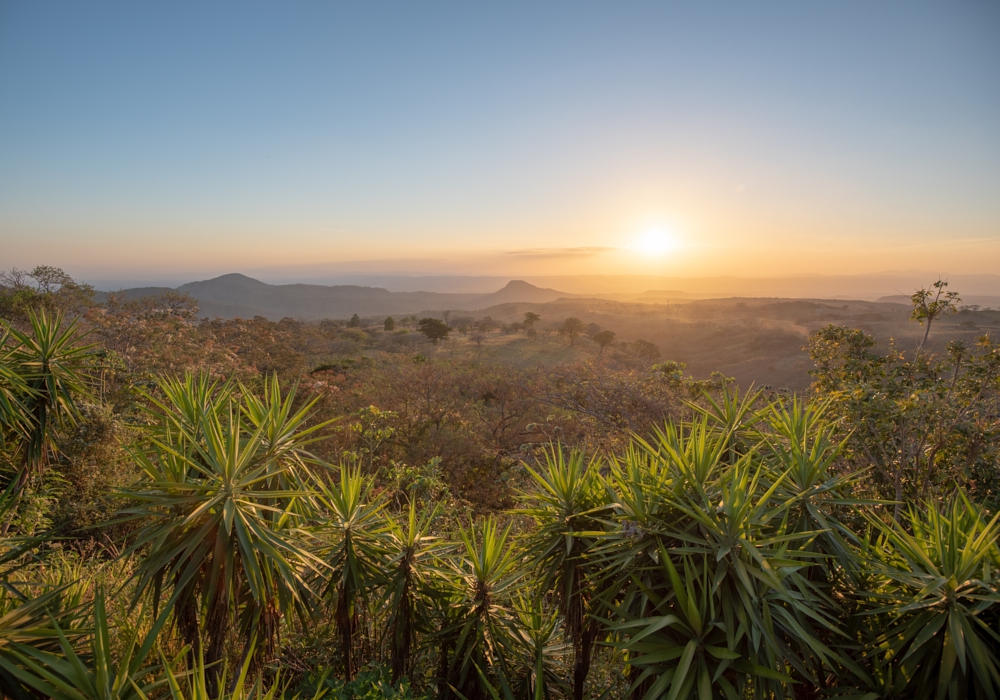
[{"x": 235, "y": 509}]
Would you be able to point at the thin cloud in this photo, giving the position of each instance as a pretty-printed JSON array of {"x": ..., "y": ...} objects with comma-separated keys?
[{"x": 576, "y": 252}]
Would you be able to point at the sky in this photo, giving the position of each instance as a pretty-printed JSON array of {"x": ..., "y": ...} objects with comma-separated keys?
[{"x": 723, "y": 138}]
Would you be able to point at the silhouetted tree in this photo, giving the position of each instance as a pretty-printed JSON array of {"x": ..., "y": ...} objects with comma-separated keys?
[
  {"x": 390, "y": 324},
  {"x": 572, "y": 327},
  {"x": 433, "y": 328},
  {"x": 645, "y": 349},
  {"x": 354, "y": 322},
  {"x": 604, "y": 339},
  {"x": 930, "y": 303}
]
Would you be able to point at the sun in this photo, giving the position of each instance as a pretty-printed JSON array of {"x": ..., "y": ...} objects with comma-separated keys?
[{"x": 654, "y": 242}]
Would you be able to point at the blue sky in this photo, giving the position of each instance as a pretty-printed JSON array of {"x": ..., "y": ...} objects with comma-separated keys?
[{"x": 752, "y": 138}]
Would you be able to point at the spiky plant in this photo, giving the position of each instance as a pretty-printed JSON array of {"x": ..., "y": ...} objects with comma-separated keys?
[
  {"x": 98, "y": 673},
  {"x": 352, "y": 541},
  {"x": 486, "y": 580},
  {"x": 412, "y": 575},
  {"x": 45, "y": 377},
  {"x": 742, "y": 596},
  {"x": 221, "y": 532},
  {"x": 197, "y": 684},
  {"x": 536, "y": 649},
  {"x": 939, "y": 570},
  {"x": 14, "y": 395},
  {"x": 566, "y": 506},
  {"x": 27, "y": 621}
]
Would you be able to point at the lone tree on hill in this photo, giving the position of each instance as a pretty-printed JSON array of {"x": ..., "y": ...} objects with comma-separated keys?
[
  {"x": 572, "y": 327},
  {"x": 531, "y": 318},
  {"x": 930, "y": 303},
  {"x": 390, "y": 324},
  {"x": 433, "y": 328},
  {"x": 646, "y": 350},
  {"x": 604, "y": 339}
]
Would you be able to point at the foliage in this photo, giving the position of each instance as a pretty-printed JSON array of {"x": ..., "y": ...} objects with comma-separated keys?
[
  {"x": 930, "y": 303},
  {"x": 938, "y": 598},
  {"x": 670, "y": 537},
  {"x": 45, "y": 373},
  {"x": 435, "y": 329},
  {"x": 572, "y": 327},
  {"x": 222, "y": 506},
  {"x": 917, "y": 426}
]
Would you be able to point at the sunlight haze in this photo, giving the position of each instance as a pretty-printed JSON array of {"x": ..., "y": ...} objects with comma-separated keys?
[{"x": 555, "y": 138}]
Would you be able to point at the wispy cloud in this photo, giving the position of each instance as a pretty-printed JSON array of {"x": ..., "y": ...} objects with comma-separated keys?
[{"x": 575, "y": 252}]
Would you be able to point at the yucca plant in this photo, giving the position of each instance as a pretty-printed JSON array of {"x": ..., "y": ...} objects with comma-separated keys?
[
  {"x": 14, "y": 393},
  {"x": 179, "y": 403},
  {"x": 98, "y": 673},
  {"x": 352, "y": 547},
  {"x": 286, "y": 431},
  {"x": 45, "y": 377},
  {"x": 567, "y": 507},
  {"x": 732, "y": 416},
  {"x": 412, "y": 575},
  {"x": 695, "y": 643},
  {"x": 941, "y": 597},
  {"x": 30, "y": 623},
  {"x": 720, "y": 519},
  {"x": 220, "y": 531},
  {"x": 802, "y": 450},
  {"x": 28, "y": 619},
  {"x": 486, "y": 578},
  {"x": 536, "y": 652},
  {"x": 197, "y": 684}
]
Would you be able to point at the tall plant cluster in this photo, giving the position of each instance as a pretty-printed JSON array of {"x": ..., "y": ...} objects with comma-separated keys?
[{"x": 733, "y": 554}]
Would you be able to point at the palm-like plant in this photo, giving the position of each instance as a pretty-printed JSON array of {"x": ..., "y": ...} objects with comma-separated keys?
[
  {"x": 801, "y": 447},
  {"x": 286, "y": 431},
  {"x": 26, "y": 622},
  {"x": 14, "y": 392},
  {"x": 720, "y": 519},
  {"x": 221, "y": 530},
  {"x": 693, "y": 646},
  {"x": 566, "y": 507},
  {"x": 45, "y": 377},
  {"x": 941, "y": 585},
  {"x": 353, "y": 549},
  {"x": 100, "y": 674},
  {"x": 486, "y": 580},
  {"x": 412, "y": 575},
  {"x": 536, "y": 650},
  {"x": 198, "y": 684}
]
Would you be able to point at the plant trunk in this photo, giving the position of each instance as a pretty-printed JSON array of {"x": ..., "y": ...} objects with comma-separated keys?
[
  {"x": 898, "y": 481},
  {"x": 216, "y": 631},
  {"x": 402, "y": 639},
  {"x": 345, "y": 620},
  {"x": 581, "y": 667},
  {"x": 444, "y": 691}
]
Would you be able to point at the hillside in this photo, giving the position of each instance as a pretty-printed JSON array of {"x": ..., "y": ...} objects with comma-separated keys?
[
  {"x": 236, "y": 295},
  {"x": 758, "y": 341}
]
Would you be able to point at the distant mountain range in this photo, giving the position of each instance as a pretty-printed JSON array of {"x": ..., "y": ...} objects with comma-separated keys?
[{"x": 235, "y": 295}]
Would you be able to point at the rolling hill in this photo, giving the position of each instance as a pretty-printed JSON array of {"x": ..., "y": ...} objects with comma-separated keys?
[{"x": 236, "y": 295}]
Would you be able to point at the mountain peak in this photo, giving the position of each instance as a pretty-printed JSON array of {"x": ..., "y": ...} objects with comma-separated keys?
[
  {"x": 233, "y": 279},
  {"x": 519, "y": 285}
]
